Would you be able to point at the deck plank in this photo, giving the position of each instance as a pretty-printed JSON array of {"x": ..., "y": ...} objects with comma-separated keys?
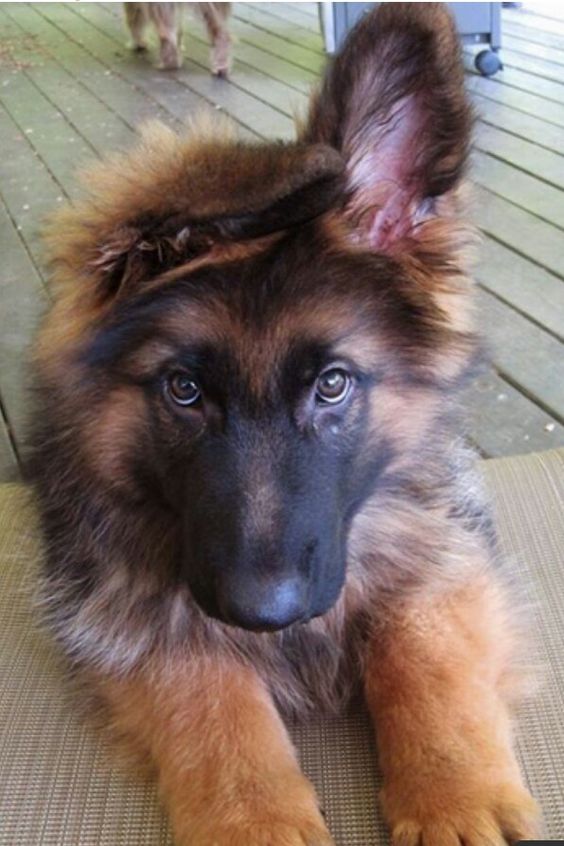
[
  {"x": 305, "y": 46},
  {"x": 245, "y": 78},
  {"x": 263, "y": 87},
  {"x": 59, "y": 145},
  {"x": 295, "y": 13},
  {"x": 23, "y": 300},
  {"x": 522, "y": 189},
  {"x": 528, "y": 357},
  {"x": 266, "y": 15},
  {"x": 545, "y": 135},
  {"x": 533, "y": 66},
  {"x": 255, "y": 53},
  {"x": 523, "y": 285},
  {"x": 29, "y": 189},
  {"x": 516, "y": 26},
  {"x": 502, "y": 421},
  {"x": 96, "y": 125},
  {"x": 162, "y": 90},
  {"x": 520, "y": 153},
  {"x": 513, "y": 77},
  {"x": 522, "y": 101},
  {"x": 522, "y": 47},
  {"x": 121, "y": 96},
  {"x": 9, "y": 467},
  {"x": 538, "y": 23},
  {"x": 256, "y": 116},
  {"x": 270, "y": 41},
  {"x": 533, "y": 83},
  {"x": 516, "y": 228}
]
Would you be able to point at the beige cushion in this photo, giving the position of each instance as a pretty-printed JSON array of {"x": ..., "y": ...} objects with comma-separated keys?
[{"x": 59, "y": 786}]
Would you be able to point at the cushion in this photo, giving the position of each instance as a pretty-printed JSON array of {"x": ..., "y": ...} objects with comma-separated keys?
[{"x": 60, "y": 787}]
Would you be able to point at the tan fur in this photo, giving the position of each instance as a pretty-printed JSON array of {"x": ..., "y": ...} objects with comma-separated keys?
[
  {"x": 109, "y": 437},
  {"x": 226, "y": 767},
  {"x": 435, "y": 682},
  {"x": 390, "y": 409}
]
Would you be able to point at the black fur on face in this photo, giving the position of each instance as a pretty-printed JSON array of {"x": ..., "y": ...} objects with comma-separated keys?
[{"x": 259, "y": 432}]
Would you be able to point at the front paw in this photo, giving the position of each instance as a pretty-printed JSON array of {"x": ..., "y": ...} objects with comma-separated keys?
[
  {"x": 269, "y": 834},
  {"x": 220, "y": 57},
  {"x": 481, "y": 814},
  {"x": 271, "y": 812}
]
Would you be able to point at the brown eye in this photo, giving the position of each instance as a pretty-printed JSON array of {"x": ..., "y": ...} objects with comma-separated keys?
[
  {"x": 332, "y": 386},
  {"x": 182, "y": 389}
]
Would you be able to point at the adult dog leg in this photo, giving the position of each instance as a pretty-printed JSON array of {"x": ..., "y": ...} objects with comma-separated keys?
[
  {"x": 435, "y": 686},
  {"x": 227, "y": 770},
  {"x": 215, "y": 18},
  {"x": 136, "y": 19},
  {"x": 166, "y": 18}
]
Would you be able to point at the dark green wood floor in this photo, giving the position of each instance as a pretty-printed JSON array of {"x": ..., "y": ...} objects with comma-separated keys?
[{"x": 70, "y": 90}]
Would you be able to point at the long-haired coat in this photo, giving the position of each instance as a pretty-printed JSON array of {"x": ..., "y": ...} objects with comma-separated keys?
[{"x": 253, "y": 490}]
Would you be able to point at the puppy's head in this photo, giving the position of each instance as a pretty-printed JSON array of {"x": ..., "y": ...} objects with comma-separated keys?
[{"x": 255, "y": 336}]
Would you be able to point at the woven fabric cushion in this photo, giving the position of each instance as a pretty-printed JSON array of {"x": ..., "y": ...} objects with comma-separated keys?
[{"x": 60, "y": 787}]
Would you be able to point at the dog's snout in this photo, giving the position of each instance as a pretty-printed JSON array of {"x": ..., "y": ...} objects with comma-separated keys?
[
  {"x": 264, "y": 549},
  {"x": 263, "y": 606}
]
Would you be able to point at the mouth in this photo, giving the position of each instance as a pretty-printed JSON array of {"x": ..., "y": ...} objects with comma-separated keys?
[
  {"x": 265, "y": 627},
  {"x": 260, "y": 623}
]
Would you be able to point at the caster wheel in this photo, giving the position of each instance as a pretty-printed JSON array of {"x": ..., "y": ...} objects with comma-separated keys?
[{"x": 487, "y": 62}]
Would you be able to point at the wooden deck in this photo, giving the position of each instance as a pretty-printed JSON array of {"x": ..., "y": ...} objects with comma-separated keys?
[{"x": 70, "y": 90}]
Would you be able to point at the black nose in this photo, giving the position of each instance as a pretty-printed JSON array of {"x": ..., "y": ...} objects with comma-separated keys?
[{"x": 263, "y": 607}]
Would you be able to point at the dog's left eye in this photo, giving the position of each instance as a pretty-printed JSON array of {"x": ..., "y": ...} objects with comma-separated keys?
[
  {"x": 332, "y": 386},
  {"x": 182, "y": 389}
]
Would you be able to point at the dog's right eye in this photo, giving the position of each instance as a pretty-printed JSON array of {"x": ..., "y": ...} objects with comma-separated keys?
[
  {"x": 182, "y": 389},
  {"x": 333, "y": 386}
]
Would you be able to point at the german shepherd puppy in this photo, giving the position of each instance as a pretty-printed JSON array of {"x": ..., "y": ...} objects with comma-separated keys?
[
  {"x": 252, "y": 488},
  {"x": 167, "y": 20}
]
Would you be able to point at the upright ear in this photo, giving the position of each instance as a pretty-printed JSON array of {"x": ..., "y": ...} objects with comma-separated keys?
[{"x": 393, "y": 104}]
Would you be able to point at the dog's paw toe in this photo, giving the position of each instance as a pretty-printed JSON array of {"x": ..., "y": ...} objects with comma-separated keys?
[
  {"x": 272, "y": 834},
  {"x": 517, "y": 814},
  {"x": 507, "y": 815}
]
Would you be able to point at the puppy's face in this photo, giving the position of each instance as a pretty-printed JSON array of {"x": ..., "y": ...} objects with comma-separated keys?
[
  {"x": 263, "y": 331},
  {"x": 247, "y": 396}
]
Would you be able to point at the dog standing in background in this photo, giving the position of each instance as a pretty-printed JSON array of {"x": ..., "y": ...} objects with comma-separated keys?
[{"x": 167, "y": 20}]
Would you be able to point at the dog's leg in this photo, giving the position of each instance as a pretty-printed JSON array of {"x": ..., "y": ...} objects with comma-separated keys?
[
  {"x": 215, "y": 17},
  {"x": 166, "y": 17},
  {"x": 227, "y": 770},
  {"x": 435, "y": 683},
  {"x": 136, "y": 19}
]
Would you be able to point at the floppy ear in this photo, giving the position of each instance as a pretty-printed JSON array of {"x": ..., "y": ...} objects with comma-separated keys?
[
  {"x": 393, "y": 104},
  {"x": 174, "y": 198}
]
